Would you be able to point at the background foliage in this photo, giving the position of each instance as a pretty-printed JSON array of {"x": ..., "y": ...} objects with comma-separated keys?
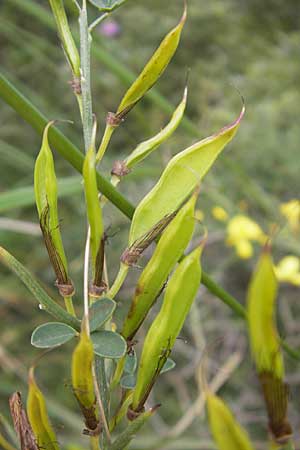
[{"x": 247, "y": 45}]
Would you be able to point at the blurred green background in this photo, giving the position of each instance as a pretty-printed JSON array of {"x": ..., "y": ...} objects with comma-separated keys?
[{"x": 230, "y": 46}]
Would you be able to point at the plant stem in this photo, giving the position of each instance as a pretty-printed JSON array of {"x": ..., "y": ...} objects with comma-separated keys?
[
  {"x": 95, "y": 445},
  {"x": 97, "y": 21},
  {"x": 85, "y": 59},
  {"x": 69, "y": 306},
  {"x": 104, "y": 143},
  {"x": 219, "y": 292},
  {"x": 86, "y": 279},
  {"x": 119, "y": 280}
]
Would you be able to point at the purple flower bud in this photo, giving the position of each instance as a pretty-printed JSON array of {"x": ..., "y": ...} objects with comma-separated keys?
[{"x": 110, "y": 28}]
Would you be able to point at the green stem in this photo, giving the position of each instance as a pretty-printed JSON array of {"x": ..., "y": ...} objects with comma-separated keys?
[
  {"x": 119, "y": 280},
  {"x": 121, "y": 412},
  {"x": 61, "y": 143},
  {"x": 98, "y": 21},
  {"x": 95, "y": 444},
  {"x": 219, "y": 292},
  {"x": 85, "y": 58},
  {"x": 104, "y": 143},
  {"x": 69, "y": 306}
]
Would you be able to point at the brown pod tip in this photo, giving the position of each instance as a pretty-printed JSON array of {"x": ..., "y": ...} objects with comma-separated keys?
[
  {"x": 132, "y": 414},
  {"x": 283, "y": 433},
  {"x": 113, "y": 120},
  {"x": 97, "y": 291},
  {"x": 65, "y": 290},
  {"x": 119, "y": 169},
  {"x": 76, "y": 85},
  {"x": 93, "y": 427}
]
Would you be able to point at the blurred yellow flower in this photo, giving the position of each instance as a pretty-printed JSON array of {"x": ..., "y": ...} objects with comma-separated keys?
[
  {"x": 219, "y": 213},
  {"x": 241, "y": 231},
  {"x": 288, "y": 270},
  {"x": 291, "y": 211},
  {"x": 199, "y": 215}
]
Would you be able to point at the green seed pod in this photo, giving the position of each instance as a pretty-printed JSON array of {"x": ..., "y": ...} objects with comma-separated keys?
[
  {"x": 82, "y": 380},
  {"x": 182, "y": 174},
  {"x": 38, "y": 416},
  {"x": 169, "y": 249},
  {"x": 265, "y": 345},
  {"x": 147, "y": 78},
  {"x": 153, "y": 69},
  {"x": 94, "y": 213},
  {"x": 147, "y": 147},
  {"x": 45, "y": 188},
  {"x": 263, "y": 334},
  {"x": 66, "y": 37},
  {"x": 227, "y": 432},
  {"x": 180, "y": 294}
]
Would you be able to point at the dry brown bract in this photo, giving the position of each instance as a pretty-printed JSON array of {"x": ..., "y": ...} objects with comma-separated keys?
[{"x": 21, "y": 423}]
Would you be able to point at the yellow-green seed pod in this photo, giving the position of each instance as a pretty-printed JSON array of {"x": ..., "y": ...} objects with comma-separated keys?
[
  {"x": 147, "y": 78},
  {"x": 82, "y": 379},
  {"x": 153, "y": 69},
  {"x": 94, "y": 211},
  {"x": 45, "y": 188},
  {"x": 147, "y": 147},
  {"x": 265, "y": 346},
  {"x": 180, "y": 294},
  {"x": 226, "y": 431},
  {"x": 38, "y": 416},
  {"x": 65, "y": 35},
  {"x": 182, "y": 174},
  {"x": 264, "y": 339},
  {"x": 169, "y": 249}
]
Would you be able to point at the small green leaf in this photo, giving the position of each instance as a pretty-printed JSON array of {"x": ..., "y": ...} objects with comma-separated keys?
[
  {"x": 128, "y": 381},
  {"x": 130, "y": 362},
  {"x": 107, "y": 5},
  {"x": 100, "y": 312},
  {"x": 169, "y": 365},
  {"x": 109, "y": 344},
  {"x": 52, "y": 334}
]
